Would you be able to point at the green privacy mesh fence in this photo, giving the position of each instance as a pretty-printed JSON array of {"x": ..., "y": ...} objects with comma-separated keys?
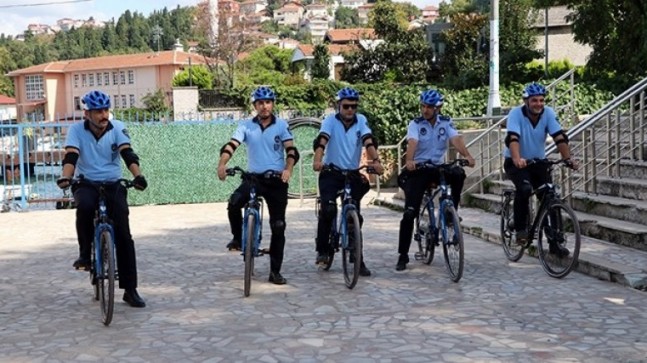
[{"x": 180, "y": 159}]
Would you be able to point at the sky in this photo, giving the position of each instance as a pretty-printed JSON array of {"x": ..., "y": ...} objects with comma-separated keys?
[{"x": 15, "y": 19}]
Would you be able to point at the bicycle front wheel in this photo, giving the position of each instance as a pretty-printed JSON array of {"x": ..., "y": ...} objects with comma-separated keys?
[
  {"x": 558, "y": 250},
  {"x": 453, "y": 248},
  {"x": 249, "y": 252},
  {"x": 106, "y": 277},
  {"x": 332, "y": 247},
  {"x": 425, "y": 234},
  {"x": 512, "y": 250},
  {"x": 352, "y": 251}
]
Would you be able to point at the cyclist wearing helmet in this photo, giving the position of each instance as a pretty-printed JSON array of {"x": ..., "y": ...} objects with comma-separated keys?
[
  {"x": 342, "y": 136},
  {"x": 428, "y": 137},
  {"x": 92, "y": 150},
  {"x": 267, "y": 138},
  {"x": 528, "y": 125}
]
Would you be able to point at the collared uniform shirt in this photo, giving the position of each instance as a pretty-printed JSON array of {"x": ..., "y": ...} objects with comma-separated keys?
[
  {"x": 265, "y": 149},
  {"x": 432, "y": 139},
  {"x": 344, "y": 148},
  {"x": 532, "y": 138},
  {"x": 99, "y": 158}
]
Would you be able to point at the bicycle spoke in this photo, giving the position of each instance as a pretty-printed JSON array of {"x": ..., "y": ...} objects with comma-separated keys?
[
  {"x": 559, "y": 240},
  {"x": 453, "y": 249}
]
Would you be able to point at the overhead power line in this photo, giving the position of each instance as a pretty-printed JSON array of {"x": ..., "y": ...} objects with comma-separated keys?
[{"x": 43, "y": 4}]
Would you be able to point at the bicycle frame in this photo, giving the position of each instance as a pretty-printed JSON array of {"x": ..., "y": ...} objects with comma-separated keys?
[{"x": 102, "y": 224}]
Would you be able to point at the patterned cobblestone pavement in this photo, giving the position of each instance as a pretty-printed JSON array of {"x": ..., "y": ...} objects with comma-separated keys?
[{"x": 498, "y": 312}]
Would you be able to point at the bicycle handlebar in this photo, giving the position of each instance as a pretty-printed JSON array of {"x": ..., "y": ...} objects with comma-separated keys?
[
  {"x": 566, "y": 162},
  {"x": 127, "y": 183},
  {"x": 333, "y": 167},
  {"x": 267, "y": 174},
  {"x": 430, "y": 164}
]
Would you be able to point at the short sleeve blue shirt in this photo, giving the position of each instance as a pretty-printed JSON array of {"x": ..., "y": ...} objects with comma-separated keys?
[
  {"x": 265, "y": 150},
  {"x": 344, "y": 148},
  {"x": 532, "y": 138},
  {"x": 98, "y": 157},
  {"x": 432, "y": 139}
]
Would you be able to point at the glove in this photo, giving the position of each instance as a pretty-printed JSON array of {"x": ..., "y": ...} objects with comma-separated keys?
[
  {"x": 140, "y": 182},
  {"x": 63, "y": 182},
  {"x": 569, "y": 163}
]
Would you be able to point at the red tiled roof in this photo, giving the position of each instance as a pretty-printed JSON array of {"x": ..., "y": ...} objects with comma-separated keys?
[
  {"x": 334, "y": 49},
  {"x": 346, "y": 35},
  {"x": 169, "y": 57},
  {"x": 6, "y": 100}
]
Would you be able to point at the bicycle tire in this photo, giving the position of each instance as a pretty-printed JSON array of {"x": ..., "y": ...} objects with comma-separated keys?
[
  {"x": 427, "y": 236},
  {"x": 555, "y": 266},
  {"x": 106, "y": 279},
  {"x": 249, "y": 252},
  {"x": 453, "y": 248},
  {"x": 512, "y": 250},
  {"x": 352, "y": 251}
]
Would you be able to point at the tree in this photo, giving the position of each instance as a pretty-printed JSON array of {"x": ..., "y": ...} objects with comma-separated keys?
[
  {"x": 155, "y": 102},
  {"x": 388, "y": 19},
  {"x": 464, "y": 65},
  {"x": 265, "y": 65},
  {"x": 517, "y": 40},
  {"x": 346, "y": 17},
  {"x": 321, "y": 63},
  {"x": 617, "y": 32},
  {"x": 198, "y": 76}
]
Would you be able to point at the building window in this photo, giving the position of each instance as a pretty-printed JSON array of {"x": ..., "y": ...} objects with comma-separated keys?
[
  {"x": 132, "y": 101},
  {"x": 106, "y": 78},
  {"x": 34, "y": 87},
  {"x": 131, "y": 77},
  {"x": 124, "y": 103},
  {"x": 122, "y": 76},
  {"x": 76, "y": 81},
  {"x": 77, "y": 103},
  {"x": 99, "y": 80},
  {"x": 115, "y": 79},
  {"x": 91, "y": 79},
  {"x": 84, "y": 80},
  {"x": 115, "y": 100}
]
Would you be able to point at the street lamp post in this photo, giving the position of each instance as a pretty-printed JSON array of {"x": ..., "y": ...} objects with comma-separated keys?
[{"x": 494, "y": 100}]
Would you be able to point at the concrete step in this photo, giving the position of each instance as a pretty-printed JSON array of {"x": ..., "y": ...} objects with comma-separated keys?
[
  {"x": 598, "y": 258},
  {"x": 608, "y": 229},
  {"x": 611, "y": 207},
  {"x": 633, "y": 169},
  {"x": 629, "y": 188}
]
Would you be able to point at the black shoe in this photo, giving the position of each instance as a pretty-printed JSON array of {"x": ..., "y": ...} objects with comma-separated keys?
[
  {"x": 363, "y": 270},
  {"x": 82, "y": 264},
  {"x": 233, "y": 245},
  {"x": 522, "y": 237},
  {"x": 132, "y": 298},
  {"x": 557, "y": 249},
  {"x": 277, "y": 279},
  {"x": 402, "y": 262},
  {"x": 322, "y": 259}
]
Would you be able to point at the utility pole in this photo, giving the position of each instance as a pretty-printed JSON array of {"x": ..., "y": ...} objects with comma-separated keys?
[
  {"x": 546, "y": 42},
  {"x": 494, "y": 100},
  {"x": 157, "y": 35}
]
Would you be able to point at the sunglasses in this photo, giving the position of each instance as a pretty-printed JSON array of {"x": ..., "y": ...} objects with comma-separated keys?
[{"x": 349, "y": 106}]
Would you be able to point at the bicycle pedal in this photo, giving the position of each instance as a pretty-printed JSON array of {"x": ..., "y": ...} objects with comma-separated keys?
[{"x": 418, "y": 256}]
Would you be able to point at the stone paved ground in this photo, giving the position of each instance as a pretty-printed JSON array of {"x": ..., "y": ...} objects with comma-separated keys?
[{"x": 499, "y": 311}]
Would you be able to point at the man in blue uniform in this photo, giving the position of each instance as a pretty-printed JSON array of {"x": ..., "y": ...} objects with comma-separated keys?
[
  {"x": 92, "y": 150},
  {"x": 266, "y": 138},
  {"x": 427, "y": 140},
  {"x": 342, "y": 136},
  {"x": 528, "y": 125}
]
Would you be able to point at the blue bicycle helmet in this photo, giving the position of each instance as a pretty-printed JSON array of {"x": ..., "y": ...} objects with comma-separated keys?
[
  {"x": 95, "y": 100},
  {"x": 263, "y": 93},
  {"x": 347, "y": 93},
  {"x": 431, "y": 98},
  {"x": 534, "y": 89}
]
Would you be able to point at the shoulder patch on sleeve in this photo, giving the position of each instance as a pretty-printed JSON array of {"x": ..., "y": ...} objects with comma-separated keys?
[{"x": 125, "y": 131}]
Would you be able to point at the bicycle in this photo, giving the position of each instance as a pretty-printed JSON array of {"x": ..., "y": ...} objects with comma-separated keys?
[
  {"x": 428, "y": 230},
  {"x": 103, "y": 272},
  {"x": 252, "y": 222},
  {"x": 551, "y": 220},
  {"x": 349, "y": 230}
]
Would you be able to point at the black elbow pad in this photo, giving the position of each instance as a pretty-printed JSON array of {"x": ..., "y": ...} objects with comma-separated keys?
[
  {"x": 70, "y": 158},
  {"x": 129, "y": 156},
  {"x": 316, "y": 144},
  {"x": 510, "y": 138},
  {"x": 372, "y": 141},
  {"x": 293, "y": 153},
  {"x": 564, "y": 138}
]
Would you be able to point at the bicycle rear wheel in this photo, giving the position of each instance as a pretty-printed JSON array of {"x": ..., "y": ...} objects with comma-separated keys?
[
  {"x": 555, "y": 221},
  {"x": 106, "y": 277},
  {"x": 352, "y": 248},
  {"x": 512, "y": 250},
  {"x": 425, "y": 235},
  {"x": 249, "y": 252},
  {"x": 453, "y": 248}
]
